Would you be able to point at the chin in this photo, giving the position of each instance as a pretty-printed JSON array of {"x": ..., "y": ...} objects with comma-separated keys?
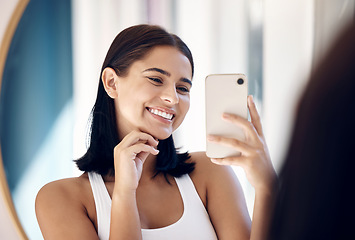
[
  {"x": 161, "y": 136},
  {"x": 158, "y": 134}
]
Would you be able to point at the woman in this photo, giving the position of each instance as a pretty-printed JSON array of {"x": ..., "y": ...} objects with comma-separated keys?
[
  {"x": 316, "y": 199},
  {"x": 135, "y": 185}
]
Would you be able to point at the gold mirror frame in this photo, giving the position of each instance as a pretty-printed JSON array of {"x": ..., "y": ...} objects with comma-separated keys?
[{"x": 4, "y": 49}]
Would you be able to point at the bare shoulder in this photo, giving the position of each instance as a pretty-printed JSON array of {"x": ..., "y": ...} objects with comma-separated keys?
[
  {"x": 206, "y": 169},
  {"x": 63, "y": 204},
  {"x": 208, "y": 176},
  {"x": 61, "y": 190},
  {"x": 213, "y": 175}
]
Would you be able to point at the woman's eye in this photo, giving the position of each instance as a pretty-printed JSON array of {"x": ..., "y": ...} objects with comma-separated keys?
[
  {"x": 156, "y": 80},
  {"x": 183, "y": 89}
]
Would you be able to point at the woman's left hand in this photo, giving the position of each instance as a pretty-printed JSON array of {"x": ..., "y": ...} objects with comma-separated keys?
[{"x": 254, "y": 157}]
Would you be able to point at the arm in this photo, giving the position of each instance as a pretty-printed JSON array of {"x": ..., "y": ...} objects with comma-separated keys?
[
  {"x": 255, "y": 161},
  {"x": 263, "y": 210},
  {"x": 60, "y": 213},
  {"x": 129, "y": 156},
  {"x": 125, "y": 222}
]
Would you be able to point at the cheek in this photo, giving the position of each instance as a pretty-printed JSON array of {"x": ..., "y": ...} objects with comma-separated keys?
[
  {"x": 129, "y": 97},
  {"x": 126, "y": 106},
  {"x": 184, "y": 105}
]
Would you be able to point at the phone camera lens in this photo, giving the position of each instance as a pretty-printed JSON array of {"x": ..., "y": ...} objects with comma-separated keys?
[{"x": 240, "y": 81}]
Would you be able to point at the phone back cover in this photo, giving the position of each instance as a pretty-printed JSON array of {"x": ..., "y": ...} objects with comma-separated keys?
[{"x": 224, "y": 95}]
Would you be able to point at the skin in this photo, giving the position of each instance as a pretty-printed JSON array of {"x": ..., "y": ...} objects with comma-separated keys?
[{"x": 66, "y": 210}]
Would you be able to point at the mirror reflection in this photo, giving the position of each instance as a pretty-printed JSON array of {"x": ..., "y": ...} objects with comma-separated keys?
[
  {"x": 35, "y": 104},
  {"x": 52, "y": 71},
  {"x": 52, "y": 101}
]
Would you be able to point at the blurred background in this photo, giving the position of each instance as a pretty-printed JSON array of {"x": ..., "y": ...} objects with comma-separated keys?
[{"x": 51, "y": 73}]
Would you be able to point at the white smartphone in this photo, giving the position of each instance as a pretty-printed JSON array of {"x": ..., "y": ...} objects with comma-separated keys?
[{"x": 224, "y": 93}]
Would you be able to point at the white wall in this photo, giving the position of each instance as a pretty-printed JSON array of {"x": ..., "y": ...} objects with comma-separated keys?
[
  {"x": 296, "y": 34},
  {"x": 288, "y": 46},
  {"x": 6, "y": 10}
]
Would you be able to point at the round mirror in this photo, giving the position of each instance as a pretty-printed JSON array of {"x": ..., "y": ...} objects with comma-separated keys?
[
  {"x": 11, "y": 227},
  {"x": 35, "y": 107}
]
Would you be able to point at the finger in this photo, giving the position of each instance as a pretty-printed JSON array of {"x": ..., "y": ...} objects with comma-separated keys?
[
  {"x": 137, "y": 136},
  {"x": 142, "y": 155},
  {"x": 139, "y": 163},
  {"x": 230, "y": 142},
  {"x": 141, "y": 148},
  {"x": 231, "y": 161},
  {"x": 248, "y": 127},
  {"x": 135, "y": 151},
  {"x": 254, "y": 115}
]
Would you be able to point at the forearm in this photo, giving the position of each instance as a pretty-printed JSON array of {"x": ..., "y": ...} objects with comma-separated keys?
[
  {"x": 125, "y": 222},
  {"x": 262, "y": 214}
]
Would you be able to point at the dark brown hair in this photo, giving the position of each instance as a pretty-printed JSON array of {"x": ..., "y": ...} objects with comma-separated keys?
[
  {"x": 317, "y": 179},
  {"x": 130, "y": 45}
]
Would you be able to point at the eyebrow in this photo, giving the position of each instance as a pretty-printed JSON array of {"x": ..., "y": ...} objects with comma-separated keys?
[{"x": 159, "y": 70}]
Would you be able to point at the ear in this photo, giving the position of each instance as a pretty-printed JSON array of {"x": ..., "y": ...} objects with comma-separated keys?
[{"x": 109, "y": 80}]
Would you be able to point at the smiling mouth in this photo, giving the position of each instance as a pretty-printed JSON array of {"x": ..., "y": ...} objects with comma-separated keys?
[{"x": 162, "y": 114}]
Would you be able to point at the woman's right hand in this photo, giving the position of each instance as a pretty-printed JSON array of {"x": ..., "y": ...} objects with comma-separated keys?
[{"x": 129, "y": 157}]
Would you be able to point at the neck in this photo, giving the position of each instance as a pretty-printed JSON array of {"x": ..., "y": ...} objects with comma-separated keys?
[{"x": 149, "y": 167}]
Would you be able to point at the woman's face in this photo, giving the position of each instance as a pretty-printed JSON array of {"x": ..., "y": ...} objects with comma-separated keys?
[{"x": 154, "y": 96}]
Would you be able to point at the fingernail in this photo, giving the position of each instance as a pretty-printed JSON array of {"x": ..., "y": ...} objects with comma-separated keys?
[
  {"x": 214, "y": 160},
  {"x": 251, "y": 98}
]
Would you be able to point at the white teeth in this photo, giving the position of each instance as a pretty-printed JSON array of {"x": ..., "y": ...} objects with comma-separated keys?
[{"x": 161, "y": 114}]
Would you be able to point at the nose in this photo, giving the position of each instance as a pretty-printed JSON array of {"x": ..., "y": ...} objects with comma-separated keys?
[{"x": 170, "y": 95}]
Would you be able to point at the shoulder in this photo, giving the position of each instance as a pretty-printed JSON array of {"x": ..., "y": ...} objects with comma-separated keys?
[
  {"x": 57, "y": 194},
  {"x": 204, "y": 168},
  {"x": 207, "y": 176},
  {"x": 218, "y": 176},
  {"x": 214, "y": 178},
  {"x": 65, "y": 203},
  {"x": 74, "y": 191},
  {"x": 68, "y": 187}
]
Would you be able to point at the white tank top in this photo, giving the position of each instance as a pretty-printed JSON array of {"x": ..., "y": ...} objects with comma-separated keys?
[{"x": 194, "y": 223}]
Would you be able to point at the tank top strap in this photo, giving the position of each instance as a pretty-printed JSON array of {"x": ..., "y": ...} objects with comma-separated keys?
[
  {"x": 190, "y": 197},
  {"x": 102, "y": 204}
]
